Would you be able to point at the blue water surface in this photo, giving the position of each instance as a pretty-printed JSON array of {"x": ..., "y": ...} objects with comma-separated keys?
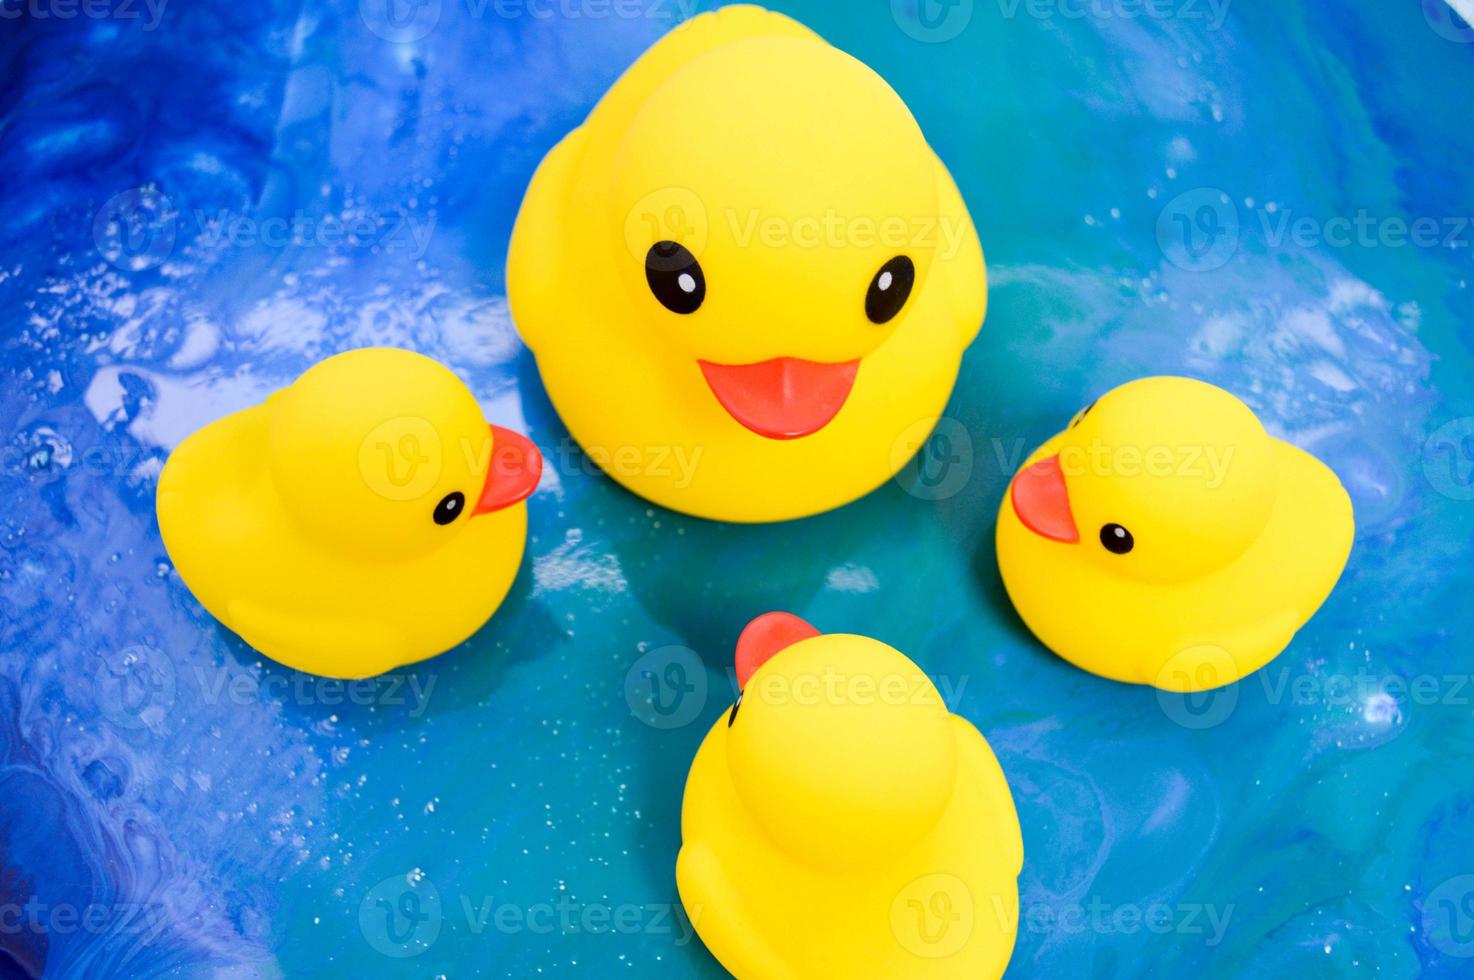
[{"x": 202, "y": 198}]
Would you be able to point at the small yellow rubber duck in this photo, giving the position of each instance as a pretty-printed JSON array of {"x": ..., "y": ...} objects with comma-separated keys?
[
  {"x": 839, "y": 821},
  {"x": 747, "y": 279},
  {"x": 362, "y": 518},
  {"x": 1165, "y": 538}
]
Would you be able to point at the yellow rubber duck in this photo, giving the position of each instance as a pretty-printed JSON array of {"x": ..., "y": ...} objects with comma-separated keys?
[
  {"x": 747, "y": 279},
  {"x": 839, "y": 822},
  {"x": 1165, "y": 538},
  {"x": 362, "y": 518}
]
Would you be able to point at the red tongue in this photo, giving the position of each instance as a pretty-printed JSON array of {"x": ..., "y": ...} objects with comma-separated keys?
[{"x": 784, "y": 398}]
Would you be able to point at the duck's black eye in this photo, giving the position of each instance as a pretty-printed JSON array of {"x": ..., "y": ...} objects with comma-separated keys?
[
  {"x": 450, "y": 507},
  {"x": 1116, "y": 539},
  {"x": 675, "y": 277},
  {"x": 733, "y": 716},
  {"x": 1083, "y": 412},
  {"x": 889, "y": 289}
]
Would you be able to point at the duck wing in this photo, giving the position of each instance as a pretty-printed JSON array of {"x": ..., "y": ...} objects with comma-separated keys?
[
  {"x": 977, "y": 758},
  {"x": 332, "y": 646},
  {"x": 715, "y": 908}
]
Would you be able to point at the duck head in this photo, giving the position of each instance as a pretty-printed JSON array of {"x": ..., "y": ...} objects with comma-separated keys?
[
  {"x": 1162, "y": 479},
  {"x": 765, "y": 247},
  {"x": 384, "y": 453},
  {"x": 840, "y": 747}
]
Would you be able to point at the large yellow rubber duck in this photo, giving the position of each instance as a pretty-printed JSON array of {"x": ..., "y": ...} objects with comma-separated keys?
[
  {"x": 747, "y": 279},
  {"x": 1165, "y": 538},
  {"x": 362, "y": 518},
  {"x": 840, "y": 822}
]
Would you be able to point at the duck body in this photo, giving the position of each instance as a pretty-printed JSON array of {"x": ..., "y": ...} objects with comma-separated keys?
[
  {"x": 917, "y": 878},
  {"x": 1263, "y": 527},
  {"x": 349, "y": 604},
  {"x": 780, "y": 176}
]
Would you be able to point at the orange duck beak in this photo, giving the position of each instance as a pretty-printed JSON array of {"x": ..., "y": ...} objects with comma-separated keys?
[
  {"x": 516, "y": 466},
  {"x": 1042, "y": 501}
]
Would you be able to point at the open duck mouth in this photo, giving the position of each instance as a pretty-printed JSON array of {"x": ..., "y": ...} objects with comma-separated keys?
[{"x": 783, "y": 398}]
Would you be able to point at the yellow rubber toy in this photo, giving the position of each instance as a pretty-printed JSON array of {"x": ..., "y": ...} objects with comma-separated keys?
[
  {"x": 839, "y": 822},
  {"x": 1165, "y": 538},
  {"x": 747, "y": 279},
  {"x": 362, "y": 518}
]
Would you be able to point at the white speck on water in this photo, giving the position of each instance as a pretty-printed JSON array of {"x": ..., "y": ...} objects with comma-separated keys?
[
  {"x": 573, "y": 563},
  {"x": 856, "y": 579}
]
